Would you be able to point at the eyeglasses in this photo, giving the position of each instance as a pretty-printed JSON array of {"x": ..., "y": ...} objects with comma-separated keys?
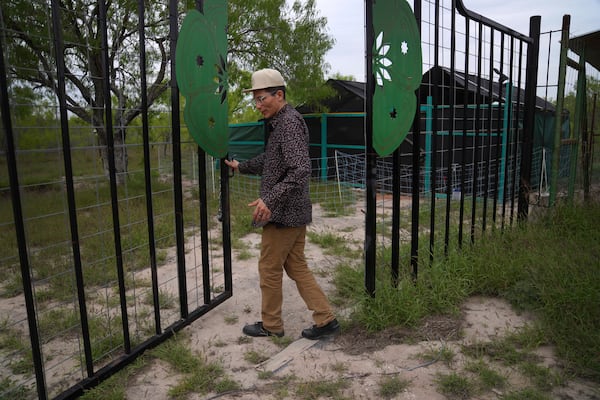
[{"x": 261, "y": 99}]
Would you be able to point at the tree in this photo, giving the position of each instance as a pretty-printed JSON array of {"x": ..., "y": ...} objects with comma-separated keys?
[
  {"x": 342, "y": 77},
  {"x": 31, "y": 59},
  {"x": 34, "y": 117},
  {"x": 570, "y": 100},
  {"x": 265, "y": 33},
  {"x": 271, "y": 34}
]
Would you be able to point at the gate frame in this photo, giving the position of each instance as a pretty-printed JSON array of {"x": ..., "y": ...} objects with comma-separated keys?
[
  {"x": 371, "y": 179},
  {"x": 94, "y": 377}
]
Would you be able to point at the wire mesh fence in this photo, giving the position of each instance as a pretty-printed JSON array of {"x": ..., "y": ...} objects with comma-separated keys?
[
  {"x": 94, "y": 266},
  {"x": 571, "y": 82},
  {"x": 50, "y": 255}
]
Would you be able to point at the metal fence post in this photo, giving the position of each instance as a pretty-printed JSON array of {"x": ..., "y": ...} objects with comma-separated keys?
[
  {"x": 371, "y": 160},
  {"x": 560, "y": 96},
  {"x": 34, "y": 337},
  {"x": 529, "y": 116}
]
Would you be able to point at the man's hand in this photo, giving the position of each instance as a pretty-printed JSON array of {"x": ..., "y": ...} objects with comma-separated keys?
[
  {"x": 261, "y": 211},
  {"x": 233, "y": 164}
]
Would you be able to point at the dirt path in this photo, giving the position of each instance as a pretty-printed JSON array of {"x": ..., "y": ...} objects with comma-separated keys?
[{"x": 359, "y": 359}]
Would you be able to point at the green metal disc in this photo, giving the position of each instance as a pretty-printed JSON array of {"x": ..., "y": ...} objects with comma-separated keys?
[
  {"x": 397, "y": 67},
  {"x": 395, "y": 115},
  {"x": 201, "y": 71}
]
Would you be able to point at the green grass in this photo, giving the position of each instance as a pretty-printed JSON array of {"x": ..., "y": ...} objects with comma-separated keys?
[
  {"x": 514, "y": 351},
  {"x": 339, "y": 367},
  {"x": 166, "y": 300},
  {"x": 282, "y": 386},
  {"x": 526, "y": 394},
  {"x": 12, "y": 341},
  {"x": 283, "y": 341},
  {"x": 488, "y": 377},
  {"x": 106, "y": 334},
  {"x": 321, "y": 389},
  {"x": 231, "y": 319},
  {"x": 391, "y": 386},
  {"x": 444, "y": 354},
  {"x": 333, "y": 244},
  {"x": 14, "y": 391},
  {"x": 176, "y": 352},
  {"x": 548, "y": 267},
  {"x": 244, "y": 255},
  {"x": 543, "y": 378},
  {"x": 48, "y": 233},
  {"x": 243, "y": 340},
  {"x": 114, "y": 388},
  {"x": 501, "y": 350},
  {"x": 455, "y": 386},
  {"x": 255, "y": 357},
  {"x": 263, "y": 375},
  {"x": 199, "y": 376},
  {"x": 59, "y": 321},
  {"x": 334, "y": 200},
  {"x": 404, "y": 305}
]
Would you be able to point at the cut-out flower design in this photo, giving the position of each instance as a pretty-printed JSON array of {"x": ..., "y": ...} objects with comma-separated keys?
[
  {"x": 382, "y": 63},
  {"x": 221, "y": 78}
]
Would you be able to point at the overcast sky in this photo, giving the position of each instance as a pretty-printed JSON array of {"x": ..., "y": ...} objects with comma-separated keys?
[{"x": 346, "y": 23}]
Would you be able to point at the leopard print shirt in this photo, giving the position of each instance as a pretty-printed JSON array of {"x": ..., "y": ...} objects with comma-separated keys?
[{"x": 285, "y": 169}]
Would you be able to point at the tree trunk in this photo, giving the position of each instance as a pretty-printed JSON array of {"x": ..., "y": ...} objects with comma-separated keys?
[{"x": 120, "y": 154}]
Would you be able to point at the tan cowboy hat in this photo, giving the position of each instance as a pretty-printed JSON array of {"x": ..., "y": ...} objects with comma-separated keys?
[{"x": 265, "y": 78}]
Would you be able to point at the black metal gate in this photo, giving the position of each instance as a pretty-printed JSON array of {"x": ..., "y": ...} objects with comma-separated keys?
[
  {"x": 86, "y": 224},
  {"x": 472, "y": 136},
  {"x": 86, "y": 261}
]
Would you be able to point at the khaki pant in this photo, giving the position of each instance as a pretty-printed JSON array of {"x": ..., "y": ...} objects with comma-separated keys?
[{"x": 283, "y": 248}]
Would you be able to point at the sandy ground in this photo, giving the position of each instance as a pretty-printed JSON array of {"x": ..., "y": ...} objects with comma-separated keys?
[{"x": 360, "y": 359}]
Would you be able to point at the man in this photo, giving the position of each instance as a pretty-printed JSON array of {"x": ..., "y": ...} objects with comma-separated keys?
[{"x": 284, "y": 208}]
